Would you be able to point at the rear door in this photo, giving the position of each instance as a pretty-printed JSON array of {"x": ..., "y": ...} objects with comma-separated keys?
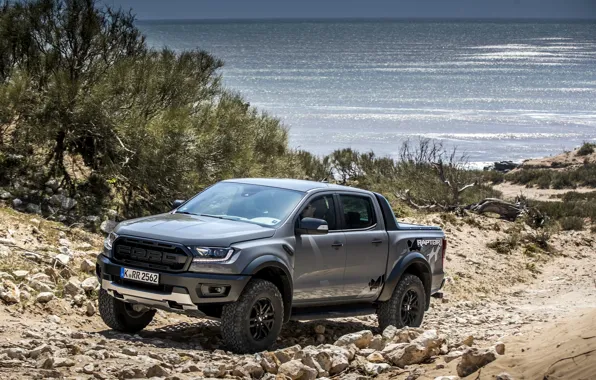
[
  {"x": 319, "y": 259},
  {"x": 367, "y": 245}
]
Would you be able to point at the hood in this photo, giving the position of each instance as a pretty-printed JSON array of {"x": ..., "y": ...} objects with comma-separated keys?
[{"x": 193, "y": 230}]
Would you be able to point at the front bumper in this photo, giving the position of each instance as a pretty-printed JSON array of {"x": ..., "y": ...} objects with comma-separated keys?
[{"x": 180, "y": 292}]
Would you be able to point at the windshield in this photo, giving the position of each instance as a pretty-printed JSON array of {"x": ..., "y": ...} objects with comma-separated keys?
[{"x": 248, "y": 203}]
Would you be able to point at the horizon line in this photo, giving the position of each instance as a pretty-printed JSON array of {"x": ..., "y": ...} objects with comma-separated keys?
[{"x": 413, "y": 18}]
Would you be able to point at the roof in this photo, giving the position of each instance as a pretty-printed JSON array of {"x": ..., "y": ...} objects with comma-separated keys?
[{"x": 294, "y": 184}]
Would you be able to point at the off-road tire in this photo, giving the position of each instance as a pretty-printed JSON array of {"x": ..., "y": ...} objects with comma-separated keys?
[
  {"x": 120, "y": 317},
  {"x": 389, "y": 312},
  {"x": 235, "y": 317}
]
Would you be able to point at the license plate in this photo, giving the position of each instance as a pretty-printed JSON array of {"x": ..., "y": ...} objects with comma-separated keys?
[{"x": 139, "y": 275}]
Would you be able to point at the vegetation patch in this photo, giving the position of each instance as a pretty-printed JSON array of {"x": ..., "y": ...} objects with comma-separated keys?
[{"x": 586, "y": 149}]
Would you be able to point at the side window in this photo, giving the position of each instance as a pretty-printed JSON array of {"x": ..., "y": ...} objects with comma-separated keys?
[
  {"x": 321, "y": 208},
  {"x": 358, "y": 211}
]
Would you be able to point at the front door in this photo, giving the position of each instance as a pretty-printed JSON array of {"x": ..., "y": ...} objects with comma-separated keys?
[
  {"x": 367, "y": 246},
  {"x": 319, "y": 259}
]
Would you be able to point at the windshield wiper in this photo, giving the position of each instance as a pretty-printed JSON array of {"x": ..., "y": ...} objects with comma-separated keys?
[
  {"x": 211, "y": 216},
  {"x": 185, "y": 212}
]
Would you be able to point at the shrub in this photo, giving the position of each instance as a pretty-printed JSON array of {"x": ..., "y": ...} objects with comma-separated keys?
[
  {"x": 572, "y": 223},
  {"x": 505, "y": 245},
  {"x": 586, "y": 149}
]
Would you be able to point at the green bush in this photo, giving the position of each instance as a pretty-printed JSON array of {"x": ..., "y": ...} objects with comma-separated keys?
[
  {"x": 586, "y": 149},
  {"x": 572, "y": 223},
  {"x": 584, "y": 175}
]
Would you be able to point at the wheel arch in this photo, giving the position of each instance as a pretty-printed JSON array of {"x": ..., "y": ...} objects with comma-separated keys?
[
  {"x": 274, "y": 270},
  {"x": 413, "y": 263}
]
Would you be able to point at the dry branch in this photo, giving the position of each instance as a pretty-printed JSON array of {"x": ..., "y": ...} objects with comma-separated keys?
[{"x": 505, "y": 209}]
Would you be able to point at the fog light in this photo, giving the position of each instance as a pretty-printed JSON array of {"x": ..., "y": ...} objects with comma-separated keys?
[{"x": 214, "y": 290}]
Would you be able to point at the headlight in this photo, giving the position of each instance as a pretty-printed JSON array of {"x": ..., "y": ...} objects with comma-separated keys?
[
  {"x": 211, "y": 254},
  {"x": 107, "y": 243}
]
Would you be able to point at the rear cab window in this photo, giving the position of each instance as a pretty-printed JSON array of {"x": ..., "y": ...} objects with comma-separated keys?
[{"x": 358, "y": 211}]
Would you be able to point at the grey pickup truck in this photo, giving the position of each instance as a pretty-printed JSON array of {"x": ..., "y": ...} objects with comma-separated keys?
[{"x": 256, "y": 253}]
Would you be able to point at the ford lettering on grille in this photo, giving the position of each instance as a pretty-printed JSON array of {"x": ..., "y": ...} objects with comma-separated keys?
[{"x": 151, "y": 256}]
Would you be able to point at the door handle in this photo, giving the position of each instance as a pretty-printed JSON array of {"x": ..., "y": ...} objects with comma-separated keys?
[
  {"x": 377, "y": 241},
  {"x": 337, "y": 245}
]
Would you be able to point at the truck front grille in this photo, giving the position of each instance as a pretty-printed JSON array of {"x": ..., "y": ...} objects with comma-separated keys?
[{"x": 150, "y": 254}]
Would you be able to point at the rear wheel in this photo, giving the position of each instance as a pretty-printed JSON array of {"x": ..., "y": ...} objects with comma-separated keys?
[
  {"x": 253, "y": 323},
  {"x": 406, "y": 305},
  {"x": 122, "y": 316}
]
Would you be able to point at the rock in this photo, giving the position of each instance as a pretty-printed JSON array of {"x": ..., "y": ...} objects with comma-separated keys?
[
  {"x": 376, "y": 357},
  {"x": 321, "y": 361},
  {"x": 129, "y": 351},
  {"x": 90, "y": 309},
  {"x": 418, "y": 351},
  {"x": 156, "y": 371},
  {"x": 63, "y": 362},
  {"x": 46, "y": 362},
  {"x": 286, "y": 354},
  {"x": 296, "y": 370},
  {"x": 214, "y": 370},
  {"x": 377, "y": 343},
  {"x": 87, "y": 266},
  {"x": 468, "y": 341},
  {"x": 112, "y": 214},
  {"x": 89, "y": 369},
  {"x": 37, "y": 351},
  {"x": 473, "y": 359},
  {"x": 53, "y": 319},
  {"x": 15, "y": 353},
  {"x": 5, "y": 195},
  {"x": 447, "y": 378},
  {"x": 79, "y": 299},
  {"x": 63, "y": 202},
  {"x": 10, "y": 293},
  {"x": 500, "y": 348},
  {"x": 270, "y": 362},
  {"x": 320, "y": 338},
  {"x": 40, "y": 286},
  {"x": 42, "y": 277},
  {"x": 10, "y": 363},
  {"x": 20, "y": 274},
  {"x": 361, "y": 339},
  {"x": 90, "y": 284},
  {"x": 25, "y": 295},
  {"x": 504, "y": 376},
  {"x": 451, "y": 356},
  {"x": 33, "y": 208},
  {"x": 73, "y": 287},
  {"x": 53, "y": 184},
  {"x": 250, "y": 368},
  {"x": 338, "y": 364},
  {"x": 108, "y": 226},
  {"x": 504, "y": 166},
  {"x": 319, "y": 329},
  {"x": 6, "y": 276},
  {"x": 61, "y": 259},
  {"x": 44, "y": 297},
  {"x": 374, "y": 369},
  {"x": 190, "y": 368},
  {"x": 16, "y": 203}
]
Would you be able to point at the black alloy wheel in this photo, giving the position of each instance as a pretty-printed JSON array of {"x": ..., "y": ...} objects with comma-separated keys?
[
  {"x": 410, "y": 308},
  {"x": 261, "y": 319}
]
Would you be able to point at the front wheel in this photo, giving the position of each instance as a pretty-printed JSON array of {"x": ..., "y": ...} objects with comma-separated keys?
[
  {"x": 253, "y": 323},
  {"x": 406, "y": 305},
  {"x": 121, "y": 316}
]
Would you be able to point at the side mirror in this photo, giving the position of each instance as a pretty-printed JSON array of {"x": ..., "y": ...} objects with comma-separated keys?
[
  {"x": 177, "y": 203},
  {"x": 312, "y": 226}
]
